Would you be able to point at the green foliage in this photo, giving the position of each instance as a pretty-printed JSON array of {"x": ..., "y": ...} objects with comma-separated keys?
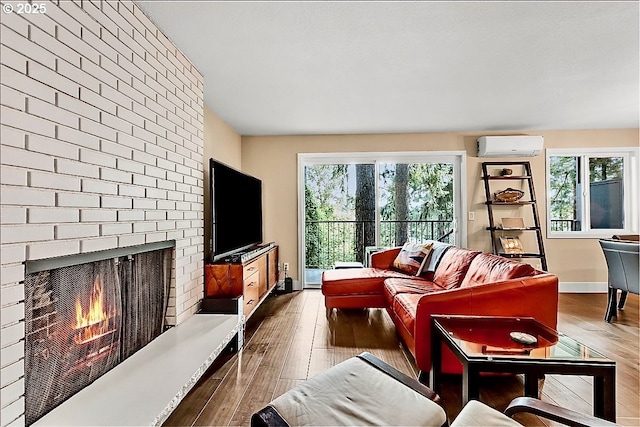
[
  {"x": 563, "y": 187},
  {"x": 329, "y": 187},
  {"x": 327, "y": 192},
  {"x": 429, "y": 197},
  {"x": 312, "y": 229},
  {"x": 605, "y": 168},
  {"x": 344, "y": 193},
  {"x": 429, "y": 192}
]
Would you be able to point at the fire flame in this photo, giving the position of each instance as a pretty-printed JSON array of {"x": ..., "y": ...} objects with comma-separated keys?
[{"x": 95, "y": 321}]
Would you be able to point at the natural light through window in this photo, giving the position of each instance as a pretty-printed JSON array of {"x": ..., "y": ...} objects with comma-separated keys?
[
  {"x": 354, "y": 204},
  {"x": 592, "y": 193}
]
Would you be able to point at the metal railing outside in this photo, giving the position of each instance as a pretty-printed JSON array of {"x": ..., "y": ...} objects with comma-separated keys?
[
  {"x": 565, "y": 225},
  {"x": 331, "y": 241}
]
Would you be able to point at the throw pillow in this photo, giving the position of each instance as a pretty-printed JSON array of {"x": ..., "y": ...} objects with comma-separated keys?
[
  {"x": 424, "y": 265},
  {"x": 411, "y": 258}
]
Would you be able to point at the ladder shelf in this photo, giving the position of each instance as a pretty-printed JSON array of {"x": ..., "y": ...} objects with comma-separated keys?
[{"x": 507, "y": 234}]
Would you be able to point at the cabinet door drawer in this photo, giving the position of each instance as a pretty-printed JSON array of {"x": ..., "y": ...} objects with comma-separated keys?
[
  {"x": 250, "y": 269},
  {"x": 251, "y": 292},
  {"x": 262, "y": 267}
]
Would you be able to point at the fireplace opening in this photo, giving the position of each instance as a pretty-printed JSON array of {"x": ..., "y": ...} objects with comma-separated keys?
[{"x": 82, "y": 320}]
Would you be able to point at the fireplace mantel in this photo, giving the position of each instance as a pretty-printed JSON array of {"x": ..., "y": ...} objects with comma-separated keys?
[{"x": 147, "y": 387}]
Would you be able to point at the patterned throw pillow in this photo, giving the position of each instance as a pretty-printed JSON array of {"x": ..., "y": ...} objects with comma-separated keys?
[{"x": 411, "y": 258}]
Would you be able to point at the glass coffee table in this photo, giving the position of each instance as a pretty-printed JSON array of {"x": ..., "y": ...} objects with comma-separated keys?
[{"x": 484, "y": 344}]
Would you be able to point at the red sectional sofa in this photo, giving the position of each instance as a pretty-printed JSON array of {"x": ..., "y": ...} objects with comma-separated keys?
[{"x": 461, "y": 282}]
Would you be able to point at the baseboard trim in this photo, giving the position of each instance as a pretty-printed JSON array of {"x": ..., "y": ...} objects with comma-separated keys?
[{"x": 582, "y": 287}]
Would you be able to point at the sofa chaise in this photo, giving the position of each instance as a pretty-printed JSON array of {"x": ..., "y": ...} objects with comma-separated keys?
[{"x": 457, "y": 281}]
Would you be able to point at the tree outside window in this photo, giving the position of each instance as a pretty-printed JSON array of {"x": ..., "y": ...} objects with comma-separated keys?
[{"x": 589, "y": 192}]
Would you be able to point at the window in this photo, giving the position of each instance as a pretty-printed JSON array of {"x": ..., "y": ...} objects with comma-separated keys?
[{"x": 592, "y": 192}]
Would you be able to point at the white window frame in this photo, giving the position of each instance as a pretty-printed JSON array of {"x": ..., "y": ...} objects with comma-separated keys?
[{"x": 631, "y": 165}]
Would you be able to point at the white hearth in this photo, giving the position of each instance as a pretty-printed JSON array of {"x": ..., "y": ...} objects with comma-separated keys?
[{"x": 146, "y": 388}]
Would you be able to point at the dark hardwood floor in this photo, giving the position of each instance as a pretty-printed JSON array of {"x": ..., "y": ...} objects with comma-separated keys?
[{"x": 289, "y": 339}]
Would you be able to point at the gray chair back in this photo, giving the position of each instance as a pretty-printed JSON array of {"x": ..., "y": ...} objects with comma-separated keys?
[{"x": 623, "y": 262}]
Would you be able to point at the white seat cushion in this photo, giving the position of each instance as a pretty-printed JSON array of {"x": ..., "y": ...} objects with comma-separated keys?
[
  {"x": 355, "y": 393},
  {"x": 477, "y": 413}
]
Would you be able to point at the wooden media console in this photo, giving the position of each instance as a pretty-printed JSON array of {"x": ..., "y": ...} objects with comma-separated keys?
[{"x": 252, "y": 279}]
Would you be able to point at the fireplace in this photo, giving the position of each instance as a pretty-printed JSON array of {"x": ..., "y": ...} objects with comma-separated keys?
[{"x": 82, "y": 319}]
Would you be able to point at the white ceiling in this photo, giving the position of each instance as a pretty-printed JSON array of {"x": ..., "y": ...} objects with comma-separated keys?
[{"x": 282, "y": 68}]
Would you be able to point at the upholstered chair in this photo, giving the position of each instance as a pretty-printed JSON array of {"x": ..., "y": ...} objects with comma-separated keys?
[
  {"x": 622, "y": 263},
  {"x": 364, "y": 390}
]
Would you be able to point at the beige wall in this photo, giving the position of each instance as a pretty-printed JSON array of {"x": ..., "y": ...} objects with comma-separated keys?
[
  {"x": 222, "y": 143},
  {"x": 274, "y": 160}
]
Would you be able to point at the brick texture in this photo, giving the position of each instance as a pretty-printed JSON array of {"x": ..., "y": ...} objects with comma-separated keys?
[{"x": 101, "y": 139}]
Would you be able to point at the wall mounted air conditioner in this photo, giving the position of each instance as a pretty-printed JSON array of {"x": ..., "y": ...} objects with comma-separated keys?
[{"x": 509, "y": 146}]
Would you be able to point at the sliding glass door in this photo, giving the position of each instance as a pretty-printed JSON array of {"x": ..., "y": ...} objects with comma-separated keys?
[
  {"x": 416, "y": 202},
  {"x": 354, "y": 205},
  {"x": 338, "y": 218}
]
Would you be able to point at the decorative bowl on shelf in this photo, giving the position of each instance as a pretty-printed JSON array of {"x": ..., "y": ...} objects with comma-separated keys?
[{"x": 509, "y": 195}]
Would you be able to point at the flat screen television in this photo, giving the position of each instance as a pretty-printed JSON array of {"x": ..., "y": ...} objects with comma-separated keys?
[{"x": 236, "y": 210}]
